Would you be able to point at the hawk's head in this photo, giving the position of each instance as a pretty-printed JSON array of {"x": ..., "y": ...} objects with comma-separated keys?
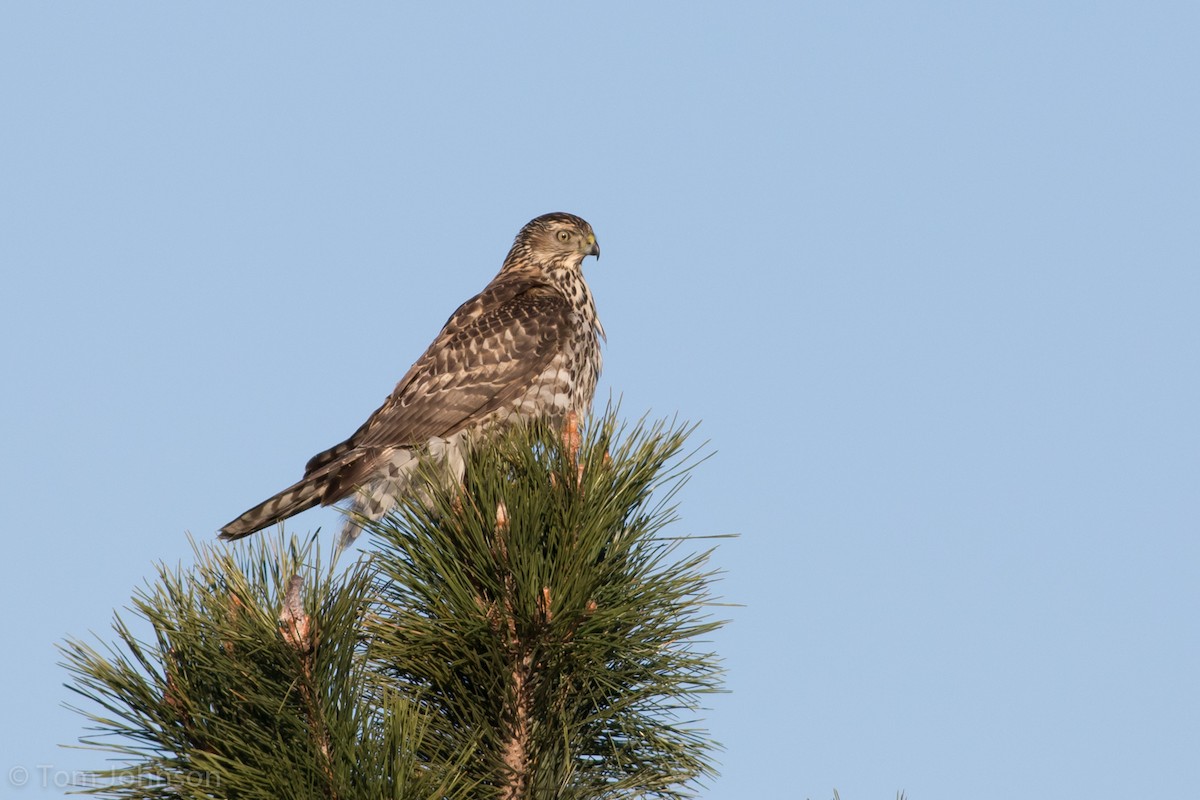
[{"x": 554, "y": 241}]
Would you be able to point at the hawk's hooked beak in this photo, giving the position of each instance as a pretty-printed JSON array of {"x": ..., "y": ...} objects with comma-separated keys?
[{"x": 593, "y": 247}]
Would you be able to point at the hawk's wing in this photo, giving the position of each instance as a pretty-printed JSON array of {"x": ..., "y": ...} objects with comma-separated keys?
[{"x": 488, "y": 354}]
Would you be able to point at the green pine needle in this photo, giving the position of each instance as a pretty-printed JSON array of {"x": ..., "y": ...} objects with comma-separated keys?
[
  {"x": 530, "y": 633},
  {"x": 545, "y": 585}
]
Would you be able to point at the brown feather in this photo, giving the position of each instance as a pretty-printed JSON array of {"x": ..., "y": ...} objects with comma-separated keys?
[{"x": 530, "y": 338}]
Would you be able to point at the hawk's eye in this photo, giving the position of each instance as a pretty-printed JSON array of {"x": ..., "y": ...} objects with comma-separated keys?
[{"x": 564, "y": 236}]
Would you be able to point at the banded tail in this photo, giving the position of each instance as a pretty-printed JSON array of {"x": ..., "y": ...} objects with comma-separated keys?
[{"x": 300, "y": 496}]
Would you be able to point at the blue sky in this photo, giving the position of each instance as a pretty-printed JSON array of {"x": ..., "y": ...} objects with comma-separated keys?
[{"x": 926, "y": 273}]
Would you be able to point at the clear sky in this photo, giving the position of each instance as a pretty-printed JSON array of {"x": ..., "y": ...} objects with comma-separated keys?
[{"x": 927, "y": 274}]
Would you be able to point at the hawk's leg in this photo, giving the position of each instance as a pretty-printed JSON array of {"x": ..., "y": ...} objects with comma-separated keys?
[{"x": 572, "y": 441}]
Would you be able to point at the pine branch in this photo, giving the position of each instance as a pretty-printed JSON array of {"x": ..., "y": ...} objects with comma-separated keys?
[
  {"x": 539, "y": 606},
  {"x": 531, "y": 633},
  {"x": 253, "y": 686}
]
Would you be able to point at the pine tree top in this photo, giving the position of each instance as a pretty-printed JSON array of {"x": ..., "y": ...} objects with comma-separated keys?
[{"x": 530, "y": 633}]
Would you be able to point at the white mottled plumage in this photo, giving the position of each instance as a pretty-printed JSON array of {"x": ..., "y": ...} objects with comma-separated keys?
[{"x": 526, "y": 347}]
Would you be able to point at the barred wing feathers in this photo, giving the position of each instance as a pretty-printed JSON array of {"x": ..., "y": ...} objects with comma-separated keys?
[{"x": 488, "y": 355}]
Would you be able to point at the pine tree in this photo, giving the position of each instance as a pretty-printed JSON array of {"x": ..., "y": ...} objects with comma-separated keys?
[{"x": 530, "y": 633}]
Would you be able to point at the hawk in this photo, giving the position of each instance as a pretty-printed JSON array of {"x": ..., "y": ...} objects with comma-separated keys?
[{"x": 526, "y": 347}]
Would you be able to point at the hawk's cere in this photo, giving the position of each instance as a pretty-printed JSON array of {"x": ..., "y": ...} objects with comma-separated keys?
[{"x": 526, "y": 347}]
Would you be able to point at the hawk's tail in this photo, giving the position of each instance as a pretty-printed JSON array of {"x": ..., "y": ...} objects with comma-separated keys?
[{"x": 298, "y": 497}]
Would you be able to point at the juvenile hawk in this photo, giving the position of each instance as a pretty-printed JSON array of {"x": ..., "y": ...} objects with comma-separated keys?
[{"x": 526, "y": 347}]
